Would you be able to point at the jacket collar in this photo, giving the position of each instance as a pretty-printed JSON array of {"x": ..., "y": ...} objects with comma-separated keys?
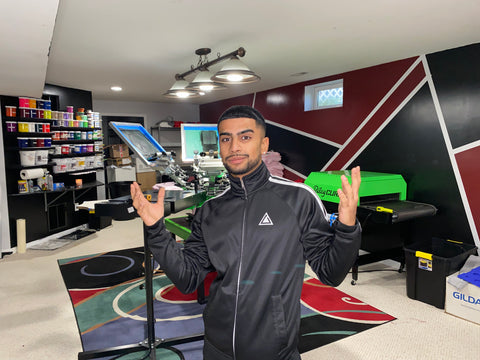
[{"x": 251, "y": 182}]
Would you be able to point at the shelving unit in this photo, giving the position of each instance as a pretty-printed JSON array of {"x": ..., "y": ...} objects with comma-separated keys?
[
  {"x": 77, "y": 193},
  {"x": 48, "y": 212},
  {"x": 166, "y": 136}
]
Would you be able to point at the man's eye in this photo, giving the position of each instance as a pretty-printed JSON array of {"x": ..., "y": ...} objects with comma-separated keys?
[
  {"x": 224, "y": 139},
  {"x": 246, "y": 137}
]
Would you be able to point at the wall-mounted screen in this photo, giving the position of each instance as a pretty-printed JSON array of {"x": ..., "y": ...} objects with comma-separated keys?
[
  {"x": 198, "y": 137},
  {"x": 138, "y": 140}
]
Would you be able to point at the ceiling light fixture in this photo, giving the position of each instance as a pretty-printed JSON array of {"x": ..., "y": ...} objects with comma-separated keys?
[
  {"x": 203, "y": 82},
  {"x": 179, "y": 90},
  {"x": 233, "y": 72},
  {"x": 116, "y": 88}
]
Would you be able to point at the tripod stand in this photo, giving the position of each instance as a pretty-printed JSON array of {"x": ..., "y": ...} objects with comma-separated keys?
[{"x": 151, "y": 342}]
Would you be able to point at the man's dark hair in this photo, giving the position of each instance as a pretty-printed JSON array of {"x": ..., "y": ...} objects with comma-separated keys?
[{"x": 244, "y": 111}]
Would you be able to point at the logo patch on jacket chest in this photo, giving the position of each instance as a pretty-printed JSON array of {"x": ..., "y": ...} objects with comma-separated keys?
[{"x": 265, "y": 220}]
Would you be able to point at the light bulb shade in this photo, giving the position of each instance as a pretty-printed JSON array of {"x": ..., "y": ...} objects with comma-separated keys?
[
  {"x": 202, "y": 82},
  {"x": 179, "y": 90},
  {"x": 235, "y": 72}
]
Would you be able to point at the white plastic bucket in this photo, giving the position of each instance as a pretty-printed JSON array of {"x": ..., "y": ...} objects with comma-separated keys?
[
  {"x": 72, "y": 164},
  {"x": 41, "y": 157},
  {"x": 89, "y": 162},
  {"x": 61, "y": 166},
  {"x": 27, "y": 158}
]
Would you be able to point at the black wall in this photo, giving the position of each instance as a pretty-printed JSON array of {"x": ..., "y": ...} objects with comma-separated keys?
[{"x": 68, "y": 96}]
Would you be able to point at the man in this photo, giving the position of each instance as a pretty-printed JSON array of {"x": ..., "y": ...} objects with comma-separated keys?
[{"x": 256, "y": 236}]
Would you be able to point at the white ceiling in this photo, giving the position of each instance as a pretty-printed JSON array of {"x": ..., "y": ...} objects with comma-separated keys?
[
  {"x": 140, "y": 45},
  {"x": 26, "y": 28}
]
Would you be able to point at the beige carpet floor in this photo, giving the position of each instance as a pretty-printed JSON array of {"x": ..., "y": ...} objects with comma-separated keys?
[{"x": 37, "y": 319}]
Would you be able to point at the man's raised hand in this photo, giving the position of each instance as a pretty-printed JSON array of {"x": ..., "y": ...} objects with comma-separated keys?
[
  {"x": 149, "y": 212},
  {"x": 348, "y": 194}
]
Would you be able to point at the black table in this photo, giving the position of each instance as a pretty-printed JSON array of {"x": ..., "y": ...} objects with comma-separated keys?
[{"x": 383, "y": 233}]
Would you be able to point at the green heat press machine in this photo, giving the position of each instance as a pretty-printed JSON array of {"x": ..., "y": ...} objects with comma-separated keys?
[
  {"x": 374, "y": 186},
  {"x": 383, "y": 211}
]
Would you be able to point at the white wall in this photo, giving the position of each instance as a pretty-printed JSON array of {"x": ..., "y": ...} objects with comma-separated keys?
[
  {"x": 153, "y": 112},
  {"x": 4, "y": 223}
]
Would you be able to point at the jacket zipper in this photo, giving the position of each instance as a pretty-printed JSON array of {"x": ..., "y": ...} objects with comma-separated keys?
[{"x": 239, "y": 269}]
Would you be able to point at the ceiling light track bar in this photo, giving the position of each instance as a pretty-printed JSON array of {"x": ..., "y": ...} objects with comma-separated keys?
[
  {"x": 233, "y": 71},
  {"x": 239, "y": 52}
]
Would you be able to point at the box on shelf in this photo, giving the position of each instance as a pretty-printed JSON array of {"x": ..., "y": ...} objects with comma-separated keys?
[
  {"x": 428, "y": 263},
  {"x": 118, "y": 150},
  {"x": 463, "y": 303},
  {"x": 121, "y": 174},
  {"x": 146, "y": 180},
  {"x": 125, "y": 161}
]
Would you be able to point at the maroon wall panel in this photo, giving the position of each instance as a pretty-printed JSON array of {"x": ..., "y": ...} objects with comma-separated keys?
[
  {"x": 362, "y": 92},
  {"x": 469, "y": 166},
  {"x": 210, "y": 113},
  {"x": 291, "y": 176},
  {"x": 380, "y": 116}
]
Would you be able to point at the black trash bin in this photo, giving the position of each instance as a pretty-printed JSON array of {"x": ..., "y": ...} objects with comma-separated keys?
[
  {"x": 428, "y": 264},
  {"x": 119, "y": 188}
]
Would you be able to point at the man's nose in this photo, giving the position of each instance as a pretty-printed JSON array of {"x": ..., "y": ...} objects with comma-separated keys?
[{"x": 235, "y": 147}]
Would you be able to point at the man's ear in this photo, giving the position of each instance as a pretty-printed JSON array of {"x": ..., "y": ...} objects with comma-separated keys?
[{"x": 265, "y": 143}]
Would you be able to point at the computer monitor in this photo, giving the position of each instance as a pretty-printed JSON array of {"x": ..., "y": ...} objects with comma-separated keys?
[
  {"x": 198, "y": 137},
  {"x": 138, "y": 140}
]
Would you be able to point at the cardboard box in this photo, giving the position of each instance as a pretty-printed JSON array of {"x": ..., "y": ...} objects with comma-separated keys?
[
  {"x": 147, "y": 180},
  {"x": 125, "y": 161},
  {"x": 118, "y": 150},
  {"x": 463, "y": 303},
  {"x": 121, "y": 174}
]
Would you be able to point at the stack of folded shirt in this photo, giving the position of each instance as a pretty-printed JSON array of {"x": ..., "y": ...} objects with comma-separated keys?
[{"x": 272, "y": 161}]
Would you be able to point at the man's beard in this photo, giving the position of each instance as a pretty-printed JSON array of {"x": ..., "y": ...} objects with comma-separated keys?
[{"x": 251, "y": 164}]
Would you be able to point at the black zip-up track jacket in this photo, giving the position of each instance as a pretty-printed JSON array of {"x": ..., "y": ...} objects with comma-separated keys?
[{"x": 256, "y": 236}]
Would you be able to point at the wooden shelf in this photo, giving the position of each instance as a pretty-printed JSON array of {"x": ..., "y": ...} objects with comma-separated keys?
[
  {"x": 20, "y": 119},
  {"x": 66, "y": 189},
  {"x": 77, "y": 171},
  {"x": 62, "y": 156},
  {"x": 62, "y": 128},
  {"x": 31, "y": 148},
  {"x": 84, "y": 141},
  {"x": 30, "y": 134},
  {"x": 20, "y": 167}
]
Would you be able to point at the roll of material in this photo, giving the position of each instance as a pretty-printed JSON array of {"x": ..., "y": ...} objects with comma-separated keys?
[
  {"x": 27, "y": 174},
  {"x": 21, "y": 236}
]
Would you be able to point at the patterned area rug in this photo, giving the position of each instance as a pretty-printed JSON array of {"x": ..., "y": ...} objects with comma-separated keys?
[{"x": 109, "y": 303}]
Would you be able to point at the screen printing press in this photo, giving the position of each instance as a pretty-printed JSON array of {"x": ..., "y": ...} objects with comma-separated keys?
[
  {"x": 383, "y": 212},
  {"x": 153, "y": 155}
]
